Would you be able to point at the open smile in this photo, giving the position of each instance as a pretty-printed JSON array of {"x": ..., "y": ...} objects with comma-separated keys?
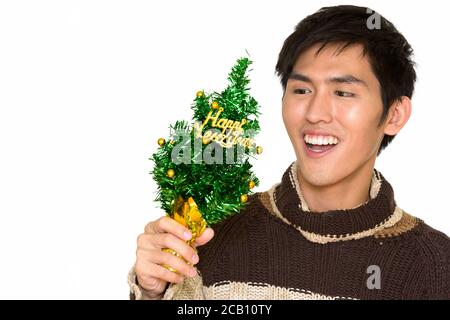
[{"x": 317, "y": 146}]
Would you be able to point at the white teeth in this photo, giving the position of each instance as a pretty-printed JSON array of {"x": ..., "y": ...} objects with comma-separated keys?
[{"x": 320, "y": 140}]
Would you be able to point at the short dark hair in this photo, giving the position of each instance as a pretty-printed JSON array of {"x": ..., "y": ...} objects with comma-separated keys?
[{"x": 388, "y": 51}]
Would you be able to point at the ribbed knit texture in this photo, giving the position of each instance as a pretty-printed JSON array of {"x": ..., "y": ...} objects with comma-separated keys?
[
  {"x": 257, "y": 247},
  {"x": 276, "y": 248}
]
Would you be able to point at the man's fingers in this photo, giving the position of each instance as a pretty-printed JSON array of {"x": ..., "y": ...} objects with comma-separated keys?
[
  {"x": 155, "y": 277},
  {"x": 168, "y": 225},
  {"x": 207, "y": 235},
  {"x": 152, "y": 284},
  {"x": 167, "y": 240},
  {"x": 164, "y": 258}
]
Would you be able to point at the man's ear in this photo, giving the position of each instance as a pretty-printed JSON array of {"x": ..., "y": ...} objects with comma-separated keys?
[{"x": 398, "y": 115}]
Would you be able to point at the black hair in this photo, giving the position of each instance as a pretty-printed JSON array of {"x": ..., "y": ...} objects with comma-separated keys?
[{"x": 389, "y": 53}]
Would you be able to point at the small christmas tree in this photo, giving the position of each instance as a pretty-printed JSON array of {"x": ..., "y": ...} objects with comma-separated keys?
[{"x": 203, "y": 171}]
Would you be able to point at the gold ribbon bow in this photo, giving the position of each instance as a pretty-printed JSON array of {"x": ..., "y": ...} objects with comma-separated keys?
[{"x": 186, "y": 212}]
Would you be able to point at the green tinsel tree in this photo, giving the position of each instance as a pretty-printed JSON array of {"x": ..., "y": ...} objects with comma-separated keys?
[{"x": 218, "y": 188}]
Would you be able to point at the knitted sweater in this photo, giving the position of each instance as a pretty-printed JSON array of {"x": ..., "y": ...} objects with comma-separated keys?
[{"x": 276, "y": 248}]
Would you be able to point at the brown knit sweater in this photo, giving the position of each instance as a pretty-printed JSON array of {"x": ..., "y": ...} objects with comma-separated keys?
[{"x": 276, "y": 248}]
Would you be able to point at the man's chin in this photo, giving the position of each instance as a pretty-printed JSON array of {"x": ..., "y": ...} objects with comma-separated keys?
[{"x": 317, "y": 177}]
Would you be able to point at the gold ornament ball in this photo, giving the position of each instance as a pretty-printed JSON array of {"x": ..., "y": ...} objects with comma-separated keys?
[
  {"x": 199, "y": 94},
  {"x": 205, "y": 141},
  {"x": 215, "y": 105},
  {"x": 244, "y": 198},
  {"x": 251, "y": 184},
  {"x": 170, "y": 173},
  {"x": 161, "y": 141},
  {"x": 259, "y": 149}
]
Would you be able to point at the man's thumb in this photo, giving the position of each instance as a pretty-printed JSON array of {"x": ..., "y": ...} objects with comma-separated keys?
[{"x": 207, "y": 235}]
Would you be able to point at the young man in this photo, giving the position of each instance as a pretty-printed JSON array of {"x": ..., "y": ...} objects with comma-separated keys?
[{"x": 331, "y": 229}]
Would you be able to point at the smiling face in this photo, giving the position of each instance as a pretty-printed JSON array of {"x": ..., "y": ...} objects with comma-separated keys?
[{"x": 333, "y": 98}]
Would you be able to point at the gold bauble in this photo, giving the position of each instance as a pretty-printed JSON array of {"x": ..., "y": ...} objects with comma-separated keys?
[
  {"x": 199, "y": 94},
  {"x": 215, "y": 105},
  {"x": 205, "y": 140},
  {"x": 170, "y": 173},
  {"x": 251, "y": 184},
  {"x": 161, "y": 141},
  {"x": 244, "y": 198},
  {"x": 259, "y": 149}
]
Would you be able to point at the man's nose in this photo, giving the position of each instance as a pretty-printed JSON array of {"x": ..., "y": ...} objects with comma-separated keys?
[{"x": 319, "y": 108}]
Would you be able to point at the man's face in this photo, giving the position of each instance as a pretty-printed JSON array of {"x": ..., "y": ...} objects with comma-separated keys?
[{"x": 333, "y": 98}]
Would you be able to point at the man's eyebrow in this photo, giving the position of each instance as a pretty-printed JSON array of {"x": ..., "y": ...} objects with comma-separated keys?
[
  {"x": 299, "y": 76},
  {"x": 348, "y": 78}
]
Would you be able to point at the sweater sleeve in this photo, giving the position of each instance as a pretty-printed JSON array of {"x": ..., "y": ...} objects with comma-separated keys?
[
  {"x": 443, "y": 269},
  {"x": 437, "y": 253},
  {"x": 445, "y": 294},
  {"x": 188, "y": 289},
  {"x": 135, "y": 288},
  {"x": 135, "y": 291}
]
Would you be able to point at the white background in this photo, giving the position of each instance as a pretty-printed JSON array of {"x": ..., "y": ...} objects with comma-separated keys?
[{"x": 87, "y": 87}]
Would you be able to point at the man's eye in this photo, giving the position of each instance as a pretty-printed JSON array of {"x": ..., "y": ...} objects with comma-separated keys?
[
  {"x": 344, "y": 94},
  {"x": 302, "y": 91}
]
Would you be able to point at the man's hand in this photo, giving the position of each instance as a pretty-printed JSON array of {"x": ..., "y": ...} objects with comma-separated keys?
[{"x": 165, "y": 233}]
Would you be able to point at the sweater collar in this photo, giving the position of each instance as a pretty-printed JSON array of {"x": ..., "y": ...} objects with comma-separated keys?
[{"x": 377, "y": 213}]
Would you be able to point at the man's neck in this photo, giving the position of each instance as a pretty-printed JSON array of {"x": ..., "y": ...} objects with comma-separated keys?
[{"x": 348, "y": 193}]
